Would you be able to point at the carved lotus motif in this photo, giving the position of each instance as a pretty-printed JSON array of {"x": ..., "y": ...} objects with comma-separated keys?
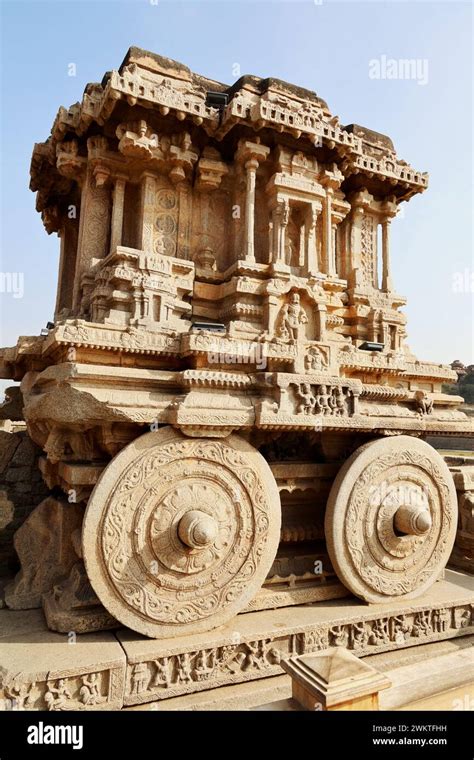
[{"x": 197, "y": 497}]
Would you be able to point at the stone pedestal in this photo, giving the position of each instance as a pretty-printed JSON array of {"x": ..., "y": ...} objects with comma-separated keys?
[
  {"x": 334, "y": 679},
  {"x": 239, "y": 659}
]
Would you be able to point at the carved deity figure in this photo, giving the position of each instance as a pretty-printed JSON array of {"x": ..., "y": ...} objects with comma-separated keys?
[
  {"x": 164, "y": 672},
  {"x": 380, "y": 633},
  {"x": 254, "y": 656},
  {"x": 314, "y": 640},
  {"x": 231, "y": 658},
  {"x": 339, "y": 635},
  {"x": 185, "y": 674},
  {"x": 358, "y": 635},
  {"x": 424, "y": 404},
  {"x": 322, "y": 400},
  {"x": 159, "y": 244},
  {"x": 89, "y": 691},
  {"x": 204, "y": 666},
  {"x": 441, "y": 620},
  {"x": 337, "y": 402},
  {"x": 313, "y": 361},
  {"x": 399, "y": 629},
  {"x": 422, "y": 624},
  {"x": 293, "y": 316},
  {"x": 58, "y": 698},
  {"x": 305, "y": 397}
]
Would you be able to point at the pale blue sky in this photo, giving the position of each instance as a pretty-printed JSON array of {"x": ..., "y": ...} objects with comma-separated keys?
[{"x": 325, "y": 47}]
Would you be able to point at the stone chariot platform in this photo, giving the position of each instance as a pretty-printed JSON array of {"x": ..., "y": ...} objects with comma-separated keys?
[{"x": 40, "y": 669}]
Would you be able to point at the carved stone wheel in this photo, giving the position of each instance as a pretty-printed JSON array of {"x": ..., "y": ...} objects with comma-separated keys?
[
  {"x": 391, "y": 519},
  {"x": 180, "y": 533}
]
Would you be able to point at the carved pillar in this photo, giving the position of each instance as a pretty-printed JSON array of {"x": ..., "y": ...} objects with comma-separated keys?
[
  {"x": 272, "y": 307},
  {"x": 386, "y": 273},
  {"x": 270, "y": 241},
  {"x": 184, "y": 221},
  {"x": 250, "y": 155},
  {"x": 94, "y": 227},
  {"x": 251, "y": 169},
  {"x": 67, "y": 263},
  {"x": 137, "y": 301},
  {"x": 280, "y": 218},
  {"x": 322, "y": 311},
  {"x": 361, "y": 244},
  {"x": 328, "y": 244},
  {"x": 147, "y": 212},
  {"x": 302, "y": 258},
  {"x": 116, "y": 225},
  {"x": 311, "y": 242},
  {"x": 334, "y": 267}
]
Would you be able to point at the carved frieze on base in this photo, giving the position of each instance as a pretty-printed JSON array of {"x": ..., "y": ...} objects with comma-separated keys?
[
  {"x": 101, "y": 690},
  {"x": 163, "y": 669}
]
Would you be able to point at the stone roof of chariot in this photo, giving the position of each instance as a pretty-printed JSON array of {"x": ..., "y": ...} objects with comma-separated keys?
[{"x": 163, "y": 85}]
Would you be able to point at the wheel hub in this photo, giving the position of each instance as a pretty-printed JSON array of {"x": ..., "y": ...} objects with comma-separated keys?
[
  {"x": 412, "y": 520},
  {"x": 197, "y": 529}
]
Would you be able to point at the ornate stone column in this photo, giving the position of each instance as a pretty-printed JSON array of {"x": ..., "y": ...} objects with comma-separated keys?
[
  {"x": 386, "y": 273},
  {"x": 93, "y": 226},
  {"x": 250, "y": 155},
  {"x": 360, "y": 253},
  {"x": 328, "y": 263},
  {"x": 251, "y": 169},
  {"x": 118, "y": 197},
  {"x": 333, "y": 267},
  {"x": 311, "y": 242},
  {"x": 281, "y": 216},
  {"x": 147, "y": 211}
]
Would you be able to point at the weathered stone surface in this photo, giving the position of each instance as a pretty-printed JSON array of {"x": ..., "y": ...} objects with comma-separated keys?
[
  {"x": 391, "y": 519},
  {"x": 462, "y": 556},
  {"x": 21, "y": 490},
  {"x": 12, "y": 407},
  {"x": 438, "y": 668},
  {"x": 45, "y": 549},
  {"x": 72, "y": 605},
  {"x": 254, "y": 644},
  {"x": 183, "y": 672},
  {"x": 41, "y": 670},
  {"x": 334, "y": 679},
  {"x": 242, "y": 696},
  {"x": 223, "y": 285},
  {"x": 176, "y": 514}
]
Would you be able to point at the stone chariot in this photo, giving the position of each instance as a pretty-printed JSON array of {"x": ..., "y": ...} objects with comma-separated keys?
[{"x": 225, "y": 398}]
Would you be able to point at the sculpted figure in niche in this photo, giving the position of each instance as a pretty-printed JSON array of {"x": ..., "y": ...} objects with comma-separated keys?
[
  {"x": 307, "y": 400},
  {"x": 164, "y": 672},
  {"x": 322, "y": 400},
  {"x": 57, "y": 698},
  {"x": 441, "y": 620},
  {"x": 313, "y": 361},
  {"x": 337, "y": 402},
  {"x": 159, "y": 245},
  {"x": 293, "y": 316},
  {"x": 184, "y": 668},
  {"x": 424, "y": 404},
  {"x": 89, "y": 692}
]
